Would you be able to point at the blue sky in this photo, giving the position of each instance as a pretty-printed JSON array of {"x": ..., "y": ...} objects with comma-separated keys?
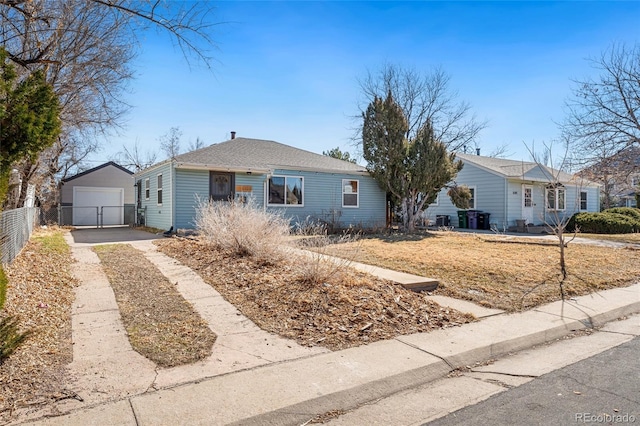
[{"x": 288, "y": 71}]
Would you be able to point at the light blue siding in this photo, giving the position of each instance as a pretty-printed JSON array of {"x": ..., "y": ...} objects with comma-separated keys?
[
  {"x": 489, "y": 194},
  {"x": 158, "y": 216},
  {"x": 322, "y": 199},
  {"x": 193, "y": 185}
]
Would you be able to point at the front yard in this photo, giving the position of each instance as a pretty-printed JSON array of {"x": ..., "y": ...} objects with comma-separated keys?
[{"x": 506, "y": 274}]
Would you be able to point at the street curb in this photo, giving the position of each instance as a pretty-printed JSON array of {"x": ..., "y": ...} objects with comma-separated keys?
[{"x": 294, "y": 392}]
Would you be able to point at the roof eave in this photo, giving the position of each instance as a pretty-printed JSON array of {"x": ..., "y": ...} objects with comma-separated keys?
[{"x": 199, "y": 166}]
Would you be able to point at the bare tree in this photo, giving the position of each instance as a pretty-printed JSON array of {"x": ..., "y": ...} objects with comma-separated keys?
[
  {"x": 134, "y": 158},
  {"x": 556, "y": 219},
  {"x": 86, "y": 49},
  {"x": 611, "y": 169},
  {"x": 195, "y": 145},
  {"x": 605, "y": 111},
  {"x": 424, "y": 98},
  {"x": 170, "y": 142}
]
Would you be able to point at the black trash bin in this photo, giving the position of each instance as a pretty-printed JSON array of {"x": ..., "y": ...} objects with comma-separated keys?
[
  {"x": 442, "y": 220},
  {"x": 472, "y": 216},
  {"x": 483, "y": 220},
  {"x": 462, "y": 218}
]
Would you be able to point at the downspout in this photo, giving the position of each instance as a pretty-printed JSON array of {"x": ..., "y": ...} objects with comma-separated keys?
[
  {"x": 172, "y": 170},
  {"x": 506, "y": 202}
]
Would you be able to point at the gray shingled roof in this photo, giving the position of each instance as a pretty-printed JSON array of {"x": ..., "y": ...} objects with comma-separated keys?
[
  {"x": 512, "y": 168},
  {"x": 245, "y": 153}
]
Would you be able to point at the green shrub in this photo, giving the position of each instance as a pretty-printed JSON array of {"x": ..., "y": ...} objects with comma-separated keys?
[
  {"x": 627, "y": 211},
  {"x": 603, "y": 223},
  {"x": 10, "y": 337}
]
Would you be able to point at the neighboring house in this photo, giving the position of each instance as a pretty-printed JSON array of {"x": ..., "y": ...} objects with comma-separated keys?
[
  {"x": 103, "y": 195},
  {"x": 619, "y": 176},
  {"x": 277, "y": 177},
  {"x": 511, "y": 191}
]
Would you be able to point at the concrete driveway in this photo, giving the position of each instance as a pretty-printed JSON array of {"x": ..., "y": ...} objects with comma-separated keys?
[{"x": 115, "y": 234}]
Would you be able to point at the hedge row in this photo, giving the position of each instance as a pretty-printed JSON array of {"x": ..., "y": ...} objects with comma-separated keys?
[{"x": 618, "y": 220}]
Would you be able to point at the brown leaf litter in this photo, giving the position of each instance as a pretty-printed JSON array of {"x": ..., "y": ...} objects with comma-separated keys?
[{"x": 350, "y": 309}]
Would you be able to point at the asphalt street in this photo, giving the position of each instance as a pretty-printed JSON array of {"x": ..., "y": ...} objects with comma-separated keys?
[{"x": 603, "y": 389}]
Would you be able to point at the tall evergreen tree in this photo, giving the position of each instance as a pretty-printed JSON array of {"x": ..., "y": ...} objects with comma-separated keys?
[
  {"x": 29, "y": 118},
  {"x": 412, "y": 170}
]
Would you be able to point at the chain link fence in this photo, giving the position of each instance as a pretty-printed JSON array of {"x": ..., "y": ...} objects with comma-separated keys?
[
  {"x": 16, "y": 227},
  {"x": 92, "y": 215}
]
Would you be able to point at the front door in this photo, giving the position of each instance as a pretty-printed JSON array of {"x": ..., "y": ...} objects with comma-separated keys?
[
  {"x": 527, "y": 203},
  {"x": 221, "y": 186}
]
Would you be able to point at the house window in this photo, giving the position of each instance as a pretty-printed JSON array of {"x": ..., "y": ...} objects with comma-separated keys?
[
  {"x": 528, "y": 196},
  {"x": 350, "y": 193},
  {"x": 472, "y": 200},
  {"x": 146, "y": 189},
  {"x": 635, "y": 181},
  {"x": 555, "y": 197},
  {"x": 285, "y": 191},
  {"x": 159, "y": 189},
  {"x": 583, "y": 200}
]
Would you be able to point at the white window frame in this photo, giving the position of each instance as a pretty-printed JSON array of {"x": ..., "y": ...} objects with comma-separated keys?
[
  {"x": 147, "y": 189},
  {"x": 344, "y": 181},
  {"x": 556, "y": 190},
  {"x": 159, "y": 189},
  {"x": 586, "y": 200},
  {"x": 474, "y": 198},
  {"x": 285, "y": 185}
]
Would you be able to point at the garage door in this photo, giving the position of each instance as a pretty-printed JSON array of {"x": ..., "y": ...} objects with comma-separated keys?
[{"x": 89, "y": 201}]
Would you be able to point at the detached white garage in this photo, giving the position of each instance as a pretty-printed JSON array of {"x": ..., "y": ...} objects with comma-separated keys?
[{"x": 103, "y": 195}]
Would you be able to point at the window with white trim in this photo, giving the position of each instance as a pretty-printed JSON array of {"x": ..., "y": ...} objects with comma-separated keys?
[
  {"x": 159, "y": 189},
  {"x": 635, "y": 180},
  {"x": 472, "y": 200},
  {"x": 583, "y": 200},
  {"x": 285, "y": 191},
  {"x": 147, "y": 191},
  {"x": 350, "y": 193},
  {"x": 555, "y": 195}
]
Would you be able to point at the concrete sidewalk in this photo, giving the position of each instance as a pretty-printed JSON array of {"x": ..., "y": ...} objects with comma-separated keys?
[{"x": 295, "y": 391}]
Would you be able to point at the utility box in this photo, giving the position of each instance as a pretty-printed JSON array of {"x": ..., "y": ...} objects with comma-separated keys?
[{"x": 442, "y": 220}]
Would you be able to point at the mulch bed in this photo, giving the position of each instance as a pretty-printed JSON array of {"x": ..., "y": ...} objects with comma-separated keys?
[
  {"x": 39, "y": 294},
  {"x": 349, "y": 309}
]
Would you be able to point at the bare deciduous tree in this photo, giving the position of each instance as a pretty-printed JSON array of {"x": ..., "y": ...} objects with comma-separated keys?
[
  {"x": 424, "y": 98},
  {"x": 605, "y": 111},
  {"x": 134, "y": 158},
  {"x": 170, "y": 142},
  {"x": 86, "y": 49},
  {"x": 195, "y": 145}
]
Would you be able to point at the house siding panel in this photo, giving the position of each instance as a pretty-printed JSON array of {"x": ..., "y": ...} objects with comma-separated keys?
[
  {"x": 490, "y": 193},
  {"x": 109, "y": 176},
  {"x": 158, "y": 216},
  {"x": 322, "y": 200}
]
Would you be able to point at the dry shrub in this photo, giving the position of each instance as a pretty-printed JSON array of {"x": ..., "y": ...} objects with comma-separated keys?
[
  {"x": 318, "y": 267},
  {"x": 243, "y": 229}
]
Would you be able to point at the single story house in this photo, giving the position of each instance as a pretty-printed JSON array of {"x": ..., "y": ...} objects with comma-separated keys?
[
  {"x": 512, "y": 191},
  {"x": 103, "y": 195},
  {"x": 277, "y": 177}
]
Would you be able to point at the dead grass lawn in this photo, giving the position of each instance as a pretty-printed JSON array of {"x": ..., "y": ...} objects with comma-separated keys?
[
  {"x": 512, "y": 276},
  {"x": 160, "y": 323}
]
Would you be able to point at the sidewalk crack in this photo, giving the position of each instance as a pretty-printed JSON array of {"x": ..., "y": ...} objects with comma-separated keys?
[
  {"x": 133, "y": 411},
  {"x": 451, "y": 366}
]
